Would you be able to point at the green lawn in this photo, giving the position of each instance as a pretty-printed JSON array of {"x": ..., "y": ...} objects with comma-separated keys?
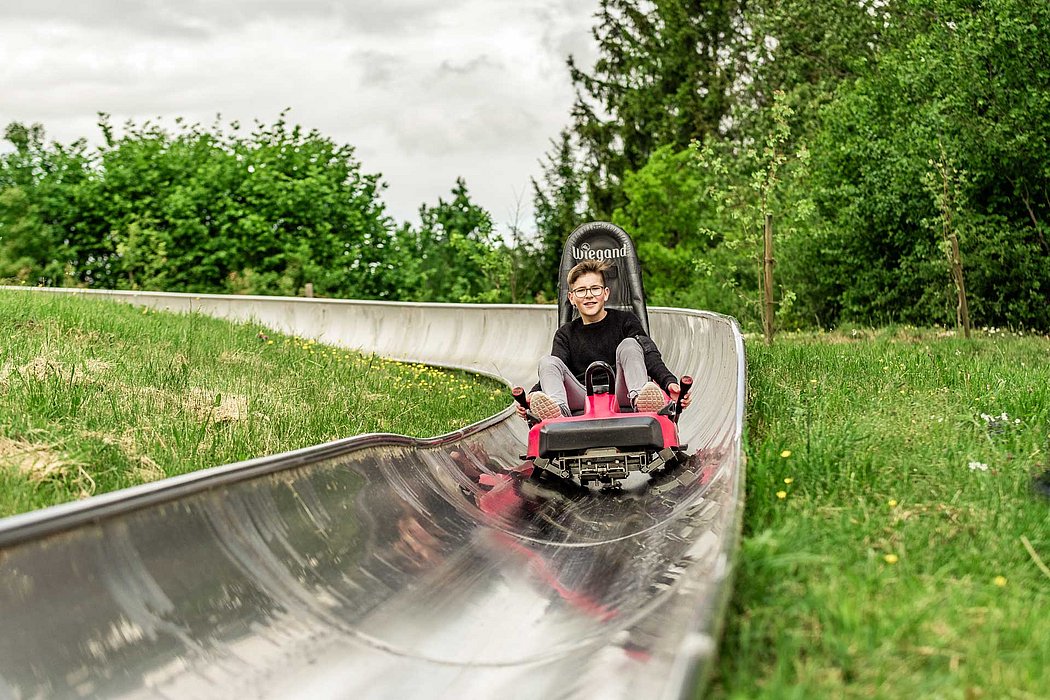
[
  {"x": 889, "y": 519},
  {"x": 97, "y": 396}
]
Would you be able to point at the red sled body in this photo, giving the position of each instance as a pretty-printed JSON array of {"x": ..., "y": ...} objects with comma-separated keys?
[{"x": 605, "y": 445}]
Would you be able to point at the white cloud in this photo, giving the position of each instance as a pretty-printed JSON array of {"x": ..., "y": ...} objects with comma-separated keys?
[{"x": 425, "y": 91}]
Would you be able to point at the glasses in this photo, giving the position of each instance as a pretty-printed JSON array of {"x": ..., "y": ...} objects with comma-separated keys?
[{"x": 583, "y": 292}]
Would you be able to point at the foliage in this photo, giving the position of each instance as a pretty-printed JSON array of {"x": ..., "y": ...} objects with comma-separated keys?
[
  {"x": 746, "y": 187},
  {"x": 946, "y": 189},
  {"x": 955, "y": 74},
  {"x": 558, "y": 204},
  {"x": 804, "y": 50},
  {"x": 197, "y": 210},
  {"x": 41, "y": 192},
  {"x": 213, "y": 210},
  {"x": 874, "y": 89},
  {"x": 662, "y": 78},
  {"x": 666, "y": 214},
  {"x": 454, "y": 255}
]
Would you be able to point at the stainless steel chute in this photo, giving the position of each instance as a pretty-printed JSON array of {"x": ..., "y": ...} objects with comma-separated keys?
[{"x": 382, "y": 566}]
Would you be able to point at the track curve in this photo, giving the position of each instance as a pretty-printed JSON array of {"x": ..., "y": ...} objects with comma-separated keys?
[{"x": 385, "y": 566}]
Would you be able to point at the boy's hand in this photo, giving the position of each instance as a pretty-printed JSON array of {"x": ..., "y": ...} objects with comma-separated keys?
[
  {"x": 521, "y": 410},
  {"x": 674, "y": 390}
]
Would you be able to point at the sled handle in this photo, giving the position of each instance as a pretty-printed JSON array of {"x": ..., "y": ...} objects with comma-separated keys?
[
  {"x": 687, "y": 385},
  {"x": 519, "y": 395},
  {"x": 598, "y": 366}
]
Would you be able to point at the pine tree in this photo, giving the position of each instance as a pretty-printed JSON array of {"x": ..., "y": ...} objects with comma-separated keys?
[
  {"x": 663, "y": 77},
  {"x": 558, "y": 205}
]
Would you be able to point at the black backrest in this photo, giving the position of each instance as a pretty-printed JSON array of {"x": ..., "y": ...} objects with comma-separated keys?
[{"x": 608, "y": 242}]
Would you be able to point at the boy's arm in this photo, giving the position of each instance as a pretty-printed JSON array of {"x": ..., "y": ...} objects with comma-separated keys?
[
  {"x": 560, "y": 346},
  {"x": 654, "y": 361}
]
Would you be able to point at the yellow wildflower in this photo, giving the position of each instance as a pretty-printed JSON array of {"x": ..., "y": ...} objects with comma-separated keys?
[
  {"x": 999, "y": 581},
  {"x": 892, "y": 503},
  {"x": 891, "y": 558},
  {"x": 782, "y": 494},
  {"x": 788, "y": 480},
  {"x": 785, "y": 454}
]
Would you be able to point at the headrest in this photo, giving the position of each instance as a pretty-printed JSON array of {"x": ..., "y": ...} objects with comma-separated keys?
[{"x": 604, "y": 241}]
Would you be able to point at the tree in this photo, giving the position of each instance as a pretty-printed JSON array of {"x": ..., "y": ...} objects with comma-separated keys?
[
  {"x": 747, "y": 206},
  {"x": 42, "y": 240},
  {"x": 558, "y": 206},
  {"x": 662, "y": 78},
  {"x": 803, "y": 49},
  {"x": 304, "y": 211},
  {"x": 945, "y": 185},
  {"x": 971, "y": 79},
  {"x": 454, "y": 255},
  {"x": 200, "y": 210},
  {"x": 668, "y": 216}
]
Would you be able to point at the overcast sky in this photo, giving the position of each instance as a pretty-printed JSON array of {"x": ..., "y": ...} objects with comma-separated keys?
[{"x": 425, "y": 90}]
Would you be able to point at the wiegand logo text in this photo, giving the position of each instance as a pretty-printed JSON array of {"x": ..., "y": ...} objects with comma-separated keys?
[{"x": 586, "y": 252}]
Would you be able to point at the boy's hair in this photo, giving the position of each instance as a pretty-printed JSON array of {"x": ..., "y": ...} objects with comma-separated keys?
[{"x": 598, "y": 267}]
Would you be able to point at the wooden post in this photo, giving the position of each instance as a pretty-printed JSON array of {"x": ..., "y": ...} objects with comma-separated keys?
[
  {"x": 767, "y": 266},
  {"x": 309, "y": 290}
]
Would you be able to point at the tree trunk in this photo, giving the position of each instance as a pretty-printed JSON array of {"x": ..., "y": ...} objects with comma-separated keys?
[
  {"x": 962, "y": 313},
  {"x": 767, "y": 287},
  {"x": 947, "y": 203}
]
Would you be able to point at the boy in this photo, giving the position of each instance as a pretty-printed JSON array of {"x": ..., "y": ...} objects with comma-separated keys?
[{"x": 610, "y": 335}]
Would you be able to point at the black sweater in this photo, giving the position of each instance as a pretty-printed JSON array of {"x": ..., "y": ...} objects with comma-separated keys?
[{"x": 579, "y": 344}]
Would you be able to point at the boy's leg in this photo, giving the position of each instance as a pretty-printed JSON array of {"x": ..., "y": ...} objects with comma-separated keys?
[
  {"x": 557, "y": 382},
  {"x": 630, "y": 371}
]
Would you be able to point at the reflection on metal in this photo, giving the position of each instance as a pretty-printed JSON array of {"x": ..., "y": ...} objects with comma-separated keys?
[{"x": 388, "y": 567}]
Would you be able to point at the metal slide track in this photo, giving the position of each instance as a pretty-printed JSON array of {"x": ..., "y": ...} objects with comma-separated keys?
[{"x": 382, "y": 566}]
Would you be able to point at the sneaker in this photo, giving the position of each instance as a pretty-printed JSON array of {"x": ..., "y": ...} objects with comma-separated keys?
[
  {"x": 649, "y": 399},
  {"x": 544, "y": 407}
]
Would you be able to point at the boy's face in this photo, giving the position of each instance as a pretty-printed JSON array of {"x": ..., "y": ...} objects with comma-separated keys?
[{"x": 591, "y": 306}]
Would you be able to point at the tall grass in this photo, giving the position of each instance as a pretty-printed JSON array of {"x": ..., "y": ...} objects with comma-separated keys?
[
  {"x": 893, "y": 544},
  {"x": 96, "y": 396}
]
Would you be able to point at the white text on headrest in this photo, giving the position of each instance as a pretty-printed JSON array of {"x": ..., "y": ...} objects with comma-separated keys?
[{"x": 585, "y": 252}]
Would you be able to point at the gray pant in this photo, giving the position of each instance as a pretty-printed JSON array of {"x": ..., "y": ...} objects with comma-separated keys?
[{"x": 557, "y": 382}]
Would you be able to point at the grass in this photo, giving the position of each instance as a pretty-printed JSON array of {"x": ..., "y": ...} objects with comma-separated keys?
[
  {"x": 97, "y": 396},
  {"x": 893, "y": 545}
]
